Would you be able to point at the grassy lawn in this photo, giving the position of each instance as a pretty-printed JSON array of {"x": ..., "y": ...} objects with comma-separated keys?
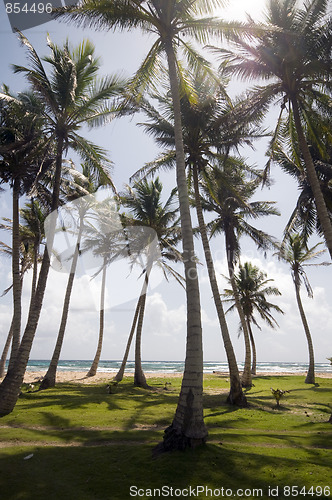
[{"x": 91, "y": 445}]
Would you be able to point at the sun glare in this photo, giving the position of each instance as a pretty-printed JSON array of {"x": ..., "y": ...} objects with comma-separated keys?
[{"x": 237, "y": 10}]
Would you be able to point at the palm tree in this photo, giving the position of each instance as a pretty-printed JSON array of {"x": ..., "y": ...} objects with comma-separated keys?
[
  {"x": 71, "y": 96},
  {"x": 119, "y": 376},
  {"x": 213, "y": 126},
  {"x": 145, "y": 209},
  {"x": 79, "y": 209},
  {"x": 295, "y": 252},
  {"x": 293, "y": 51},
  {"x": 21, "y": 158},
  {"x": 304, "y": 219},
  {"x": 253, "y": 288},
  {"x": 227, "y": 192},
  {"x": 108, "y": 243},
  {"x": 210, "y": 131},
  {"x": 26, "y": 262},
  {"x": 31, "y": 233},
  {"x": 172, "y": 23},
  {"x": 33, "y": 216},
  {"x": 103, "y": 236}
]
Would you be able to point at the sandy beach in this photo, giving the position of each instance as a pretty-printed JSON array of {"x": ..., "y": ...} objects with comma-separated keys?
[{"x": 81, "y": 378}]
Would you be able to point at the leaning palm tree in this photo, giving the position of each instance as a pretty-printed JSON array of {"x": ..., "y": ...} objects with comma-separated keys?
[
  {"x": 79, "y": 209},
  {"x": 71, "y": 96},
  {"x": 26, "y": 262},
  {"x": 144, "y": 208},
  {"x": 295, "y": 252},
  {"x": 103, "y": 237},
  {"x": 253, "y": 288},
  {"x": 292, "y": 52},
  {"x": 227, "y": 193},
  {"x": 172, "y": 24}
]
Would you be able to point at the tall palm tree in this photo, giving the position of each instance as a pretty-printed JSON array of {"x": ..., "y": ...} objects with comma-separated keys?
[
  {"x": 210, "y": 131},
  {"x": 26, "y": 262},
  {"x": 21, "y": 157},
  {"x": 172, "y": 24},
  {"x": 295, "y": 252},
  {"x": 31, "y": 233},
  {"x": 227, "y": 193},
  {"x": 293, "y": 52},
  {"x": 71, "y": 96},
  {"x": 253, "y": 289},
  {"x": 145, "y": 209}
]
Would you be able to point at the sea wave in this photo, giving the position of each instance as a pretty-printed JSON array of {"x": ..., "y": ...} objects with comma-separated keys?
[{"x": 175, "y": 366}]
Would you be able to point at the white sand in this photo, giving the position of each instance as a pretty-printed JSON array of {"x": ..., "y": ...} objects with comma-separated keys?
[{"x": 81, "y": 378}]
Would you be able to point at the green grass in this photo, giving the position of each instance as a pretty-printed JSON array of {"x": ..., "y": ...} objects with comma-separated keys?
[{"x": 88, "y": 444}]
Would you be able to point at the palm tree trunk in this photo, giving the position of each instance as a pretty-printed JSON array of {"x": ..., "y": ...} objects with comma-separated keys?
[
  {"x": 11, "y": 385},
  {"x": 236, "y": 395},
  {"x": 246, "y": 376},
  {"x": 16, "y": 276},
  {"x": 34, "y": 273},
  {"x": 34, "y": 279},
  {"x": 310, "y": 378},
  {"x": 50, "y": 376},
  {"x": 5, "y": 351},
  {"x": 119, "y": 376},
  {"x": 10, "y": 333},
  {"x": 253, "y": 348},
  {"x": 139, "y": 377},
  {"x": 93, "y": 370},
  {"x": 188, "y": 427},
  {"x": 322, "y": 212},
  {"x": 36, "y": 250}
]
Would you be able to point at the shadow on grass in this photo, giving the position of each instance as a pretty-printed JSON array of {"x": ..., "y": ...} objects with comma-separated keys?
[
  {"x": 97, "y": 463},
  {"x": 69, "y": 412},
  {"x": 109, "y": 472},
  {"x": 70, "y": 397}
]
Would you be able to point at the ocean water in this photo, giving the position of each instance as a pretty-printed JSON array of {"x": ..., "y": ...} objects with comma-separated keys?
[{"x": 174, "y": 366}]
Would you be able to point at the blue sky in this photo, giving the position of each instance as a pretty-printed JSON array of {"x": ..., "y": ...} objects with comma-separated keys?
[{"x": 164, "y": 327}]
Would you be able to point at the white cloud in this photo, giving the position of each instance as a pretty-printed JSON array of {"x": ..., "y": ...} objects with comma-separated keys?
[{"x": 161, "y": 321}]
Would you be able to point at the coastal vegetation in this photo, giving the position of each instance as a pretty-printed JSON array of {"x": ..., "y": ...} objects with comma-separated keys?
[
  {"x": 253, "y": 291},
  {"x": 202, "y": 134}
]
